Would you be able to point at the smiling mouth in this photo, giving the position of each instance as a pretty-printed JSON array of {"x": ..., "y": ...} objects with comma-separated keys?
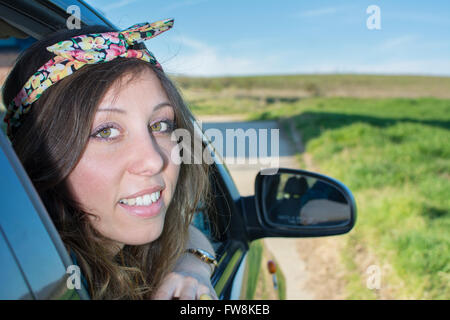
[
  {"x": 144, "y": 200},
  {"x": 145, "y": 206}
]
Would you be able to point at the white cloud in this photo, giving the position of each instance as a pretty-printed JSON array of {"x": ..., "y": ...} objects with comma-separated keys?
[
  {"x": 214, "y": 63},
  {"x": 317, "y": 12},
  {"x": 435, "y": 67},
  {"x": 192, "y": 43},
  {"x": 398, "y": 42},
  {"x": 198, "y": 58}
]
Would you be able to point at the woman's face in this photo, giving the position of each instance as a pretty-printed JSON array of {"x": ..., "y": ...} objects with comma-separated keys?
[{"x": 126, "y": 177}]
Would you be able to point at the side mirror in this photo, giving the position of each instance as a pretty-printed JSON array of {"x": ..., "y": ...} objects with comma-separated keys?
[{"x": 298, "y": 203}]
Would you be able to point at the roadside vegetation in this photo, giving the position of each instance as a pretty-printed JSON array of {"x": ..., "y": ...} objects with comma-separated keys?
[
  {"x": 259, "y": 281},
  {"x": 387, "y": 139}
]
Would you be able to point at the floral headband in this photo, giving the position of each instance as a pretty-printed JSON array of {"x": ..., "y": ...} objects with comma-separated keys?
[{"x": 77, "y": 52}]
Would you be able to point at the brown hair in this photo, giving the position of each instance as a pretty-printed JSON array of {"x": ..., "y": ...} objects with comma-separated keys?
[{"x": 50, "y": 142}]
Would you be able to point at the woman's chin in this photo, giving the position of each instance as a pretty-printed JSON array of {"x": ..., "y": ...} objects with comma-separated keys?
[
  {"x": 134, "y": 234},
  {"x": 143, "y": 240}
]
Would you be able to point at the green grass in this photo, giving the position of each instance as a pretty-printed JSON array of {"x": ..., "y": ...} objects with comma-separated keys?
[
  {"x": 322, "y": 85},
  {"x": 271, "y": 95},
  {"x": 394, "y": 154}
]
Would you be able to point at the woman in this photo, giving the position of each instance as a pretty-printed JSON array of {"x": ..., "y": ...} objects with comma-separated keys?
[{"x": 91, "y": 116}]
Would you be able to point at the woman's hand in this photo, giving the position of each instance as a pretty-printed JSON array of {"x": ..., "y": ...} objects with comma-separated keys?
[
  {"x": 191, "y": 277},
  {"x": 184, "y": 286}
]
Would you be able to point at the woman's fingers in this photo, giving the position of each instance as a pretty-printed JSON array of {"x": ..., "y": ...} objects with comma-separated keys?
[
  {"x": 167, "y": 290},
  {"x": 188, "y": 289},
  {"x": 183, "y": 287},
  {"x": 204, "y": 293},
  {"x": 192, "y": 289}
]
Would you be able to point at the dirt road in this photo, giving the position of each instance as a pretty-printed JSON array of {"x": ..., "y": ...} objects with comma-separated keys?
[{"x": 285, "y": 250}]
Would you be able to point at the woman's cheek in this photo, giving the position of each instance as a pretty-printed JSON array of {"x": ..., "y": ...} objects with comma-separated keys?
[
  {"x": 92, "y": 180},
  {"x": 172, "y": 169},
  {"x": 168, "y": 148}
]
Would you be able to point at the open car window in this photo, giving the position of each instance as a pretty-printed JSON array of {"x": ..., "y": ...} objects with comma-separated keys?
[
  {"x": 29, "y": 235},
  {"x": 213, "y": 220}
]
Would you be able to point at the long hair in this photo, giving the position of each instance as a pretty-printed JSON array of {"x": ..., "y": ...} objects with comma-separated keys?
[{"x": 50, "y": 142}]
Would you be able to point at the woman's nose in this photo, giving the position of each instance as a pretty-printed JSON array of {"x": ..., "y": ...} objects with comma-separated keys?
[{"x": 147, "y": 157}]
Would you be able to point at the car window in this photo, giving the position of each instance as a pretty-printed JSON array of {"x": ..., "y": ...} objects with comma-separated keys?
[
  {"x": 222, "y": 227},
  {"x": 14, "y": 285},
  {"x": 212, "y": 220},
  {"x": 29, "y": 233}
]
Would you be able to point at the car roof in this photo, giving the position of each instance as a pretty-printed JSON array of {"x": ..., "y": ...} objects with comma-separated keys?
[{"x": 37, "y": 18}]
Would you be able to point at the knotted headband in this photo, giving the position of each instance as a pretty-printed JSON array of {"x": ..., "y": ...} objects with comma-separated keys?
[{"x": 72, "y": 54}]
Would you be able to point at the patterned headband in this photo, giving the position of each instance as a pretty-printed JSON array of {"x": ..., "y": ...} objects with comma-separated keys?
[{"x": 77, "y": 52}]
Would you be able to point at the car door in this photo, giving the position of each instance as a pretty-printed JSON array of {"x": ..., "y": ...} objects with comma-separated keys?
[{"x": 33, "y": 258}]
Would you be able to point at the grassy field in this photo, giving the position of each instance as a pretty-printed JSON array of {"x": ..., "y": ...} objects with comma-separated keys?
[
  {"x": 391, "y": 148},
  {"x": 395, "y": 156},
  {"x": 292, "y": 86}
]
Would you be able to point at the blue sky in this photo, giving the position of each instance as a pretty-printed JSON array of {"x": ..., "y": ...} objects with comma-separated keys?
[{"x": 255, "y": 37}]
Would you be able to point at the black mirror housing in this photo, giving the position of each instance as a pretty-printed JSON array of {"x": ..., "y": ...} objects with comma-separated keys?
[{"x": 299, "y": 203}]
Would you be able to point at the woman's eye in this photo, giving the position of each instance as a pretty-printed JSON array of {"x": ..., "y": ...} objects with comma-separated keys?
[
  {"x": 107, "y": 133},
  {"x": 161, "y": 126}
]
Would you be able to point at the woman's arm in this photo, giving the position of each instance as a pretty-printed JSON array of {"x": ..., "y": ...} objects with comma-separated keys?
[
  {"x": 188, "y": 262},
  {"x": 191, "y": 277}
]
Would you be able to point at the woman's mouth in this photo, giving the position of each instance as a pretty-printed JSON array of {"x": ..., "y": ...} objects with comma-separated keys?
[
  {"x": 144, "y": 200},
  {"x": 145, "y": 206}
]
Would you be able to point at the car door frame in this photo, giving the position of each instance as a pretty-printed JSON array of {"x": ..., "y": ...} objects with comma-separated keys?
[
  {"x": 31, "y": 237},
  {"x": 227, "y": 278}
]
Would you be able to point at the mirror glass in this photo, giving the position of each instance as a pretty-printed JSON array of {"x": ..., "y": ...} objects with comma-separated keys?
[{"x": 301, "y": 200}]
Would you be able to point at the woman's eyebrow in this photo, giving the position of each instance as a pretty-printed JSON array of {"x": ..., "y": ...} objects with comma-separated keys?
[
  {"x": 155, "y": 108},
  {"x": 162, "y": 105},
  {"x": 112, "y": 110}
]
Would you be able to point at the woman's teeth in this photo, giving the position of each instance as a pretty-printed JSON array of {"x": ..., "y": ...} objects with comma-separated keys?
[{"x": 144, "y": 200}]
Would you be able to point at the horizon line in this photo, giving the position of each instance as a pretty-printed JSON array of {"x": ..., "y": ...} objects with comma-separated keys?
[{"x": 313, "y": 74}]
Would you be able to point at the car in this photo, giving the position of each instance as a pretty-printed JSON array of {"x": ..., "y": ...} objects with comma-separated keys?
[{"x": 287, "y": 202}]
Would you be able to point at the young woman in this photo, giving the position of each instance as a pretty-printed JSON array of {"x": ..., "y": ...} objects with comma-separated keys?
[{"x": 91, "y": 116}]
